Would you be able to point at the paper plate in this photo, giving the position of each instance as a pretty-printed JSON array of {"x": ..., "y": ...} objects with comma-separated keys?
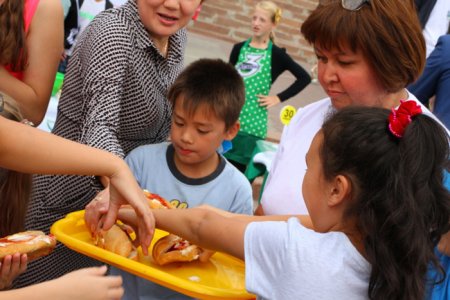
[{"x": 221, "y": 278}]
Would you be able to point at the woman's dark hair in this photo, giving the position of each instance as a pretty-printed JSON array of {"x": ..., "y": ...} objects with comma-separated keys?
[
  {"x": 386, "y": 32},
  {"x": 15, "y": 187},
  {"x": 13, "y": 50},
  {"x": 398, "y": 198}
]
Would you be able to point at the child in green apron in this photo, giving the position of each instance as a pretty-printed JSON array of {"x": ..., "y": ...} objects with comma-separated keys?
[{"x": 259, "y": 61}]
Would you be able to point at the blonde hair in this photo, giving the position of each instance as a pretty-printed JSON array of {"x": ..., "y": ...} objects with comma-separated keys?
[
  {"x": 275, "y": 14},
  {"x": 15, "y": 187}
]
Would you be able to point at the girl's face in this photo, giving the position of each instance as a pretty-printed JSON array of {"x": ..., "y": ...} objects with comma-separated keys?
[
  {"x": 261, "y": 23},
  {"x": 314, "y": 186},
  {"x": 348, "y": 78},
  {"x": 163, "y": 18}
]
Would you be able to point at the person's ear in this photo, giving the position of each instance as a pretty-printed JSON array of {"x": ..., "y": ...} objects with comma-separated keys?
[
  {"x": 340, "y": 190},
  {"x": 232, "y": 131}
]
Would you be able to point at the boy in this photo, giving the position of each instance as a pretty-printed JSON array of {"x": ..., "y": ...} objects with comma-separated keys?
[{"x": 207, "y": 99}]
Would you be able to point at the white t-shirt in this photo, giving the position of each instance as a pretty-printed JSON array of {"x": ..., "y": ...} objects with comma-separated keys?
[
  {"x": 437, "y": 24},
  {"x": 282, "y": 193},
  {"x": 293, "y": 262}
]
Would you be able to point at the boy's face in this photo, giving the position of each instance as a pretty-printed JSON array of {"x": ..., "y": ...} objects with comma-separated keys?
[{"x": 196, "y": 137}]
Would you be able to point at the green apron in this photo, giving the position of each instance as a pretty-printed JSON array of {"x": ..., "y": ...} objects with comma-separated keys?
[{"x": 255, "y": 67}]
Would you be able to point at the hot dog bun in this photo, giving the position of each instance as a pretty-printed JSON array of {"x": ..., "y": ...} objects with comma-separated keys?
[
  {"x": 172, "y": 248},
  {"x": 157, "y": 202},
  {"x": 118, "y": 241},
  {"x": 33, "y": 243}
]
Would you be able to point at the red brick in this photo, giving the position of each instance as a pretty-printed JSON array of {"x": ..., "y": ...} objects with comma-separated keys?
[{"x": 230, "y": 20}]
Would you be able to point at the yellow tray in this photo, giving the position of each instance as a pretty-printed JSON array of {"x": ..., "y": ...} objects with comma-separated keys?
[{"x": 220, "y": 278}]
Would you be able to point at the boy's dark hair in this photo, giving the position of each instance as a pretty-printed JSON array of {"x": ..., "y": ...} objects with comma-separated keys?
[
  {"x": 398, "y": 197},
  {"x": 212, "y": 82}
]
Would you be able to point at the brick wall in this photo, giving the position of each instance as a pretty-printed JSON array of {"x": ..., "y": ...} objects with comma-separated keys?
[{"x": 230, "y": 20}]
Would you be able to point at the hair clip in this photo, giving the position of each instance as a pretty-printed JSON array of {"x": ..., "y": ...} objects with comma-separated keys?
[
  {"x": 277, "y": 16},
  {"x": 400, "y": 118}
]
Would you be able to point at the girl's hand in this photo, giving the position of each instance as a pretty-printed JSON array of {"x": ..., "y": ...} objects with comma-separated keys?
[
  {"x": 11, "y": 267},
  {"x": 268, "y": 101},
  {"x": 89, "y": 284}
]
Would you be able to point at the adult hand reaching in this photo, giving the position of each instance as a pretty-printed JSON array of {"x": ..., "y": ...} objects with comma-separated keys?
[{"x": 101, "y": 212}]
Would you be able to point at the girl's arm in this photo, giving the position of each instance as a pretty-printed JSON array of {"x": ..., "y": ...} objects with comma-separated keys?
[
  {"x": 281, "y": 61},
  {"x": 29, "y": 150},
  {"x": 234, "y": 54},
  {"x": 86, "y": 284},
  {"x": 207, "y": 227},
  {"x": 45, "y": 45}
]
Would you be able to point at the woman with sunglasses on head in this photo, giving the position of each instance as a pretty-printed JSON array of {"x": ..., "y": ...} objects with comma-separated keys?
[
  {"x": 114, "y": 99},
  {"x": 368, "y": 51}
]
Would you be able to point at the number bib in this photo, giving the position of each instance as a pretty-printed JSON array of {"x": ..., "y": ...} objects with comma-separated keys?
[{"x": 287, "y": 113}]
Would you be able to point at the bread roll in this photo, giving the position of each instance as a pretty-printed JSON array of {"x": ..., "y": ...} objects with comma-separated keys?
[
  {"x": 33, "y": 243},
  {"x": 172, "y": 248},
  {"x": 157, "y": 202},
  {"x": 117, "y": 241}
]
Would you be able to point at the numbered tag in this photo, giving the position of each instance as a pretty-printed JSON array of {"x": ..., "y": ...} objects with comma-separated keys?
[{"x": 287, "y": 113}]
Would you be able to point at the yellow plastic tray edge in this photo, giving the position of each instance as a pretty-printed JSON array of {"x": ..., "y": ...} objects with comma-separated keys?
[{"x": 109, "y": 258}]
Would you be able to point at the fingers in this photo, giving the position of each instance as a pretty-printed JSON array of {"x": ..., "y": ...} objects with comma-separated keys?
[
  {"x": 11, "y": 267},
  {"x": 146, "y": 227},
  {"x": 143, "y": 220},
  {"x": 268, "y": 101},
  {"x": 97, "y": 271},
  {"x": 115, "y": 289},
  {"x": 205, "y": 255},
  {"x": 111, "y": 216},
  {"x": 94, "y": 212}
]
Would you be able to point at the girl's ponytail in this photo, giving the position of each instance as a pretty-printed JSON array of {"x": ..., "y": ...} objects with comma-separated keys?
[{"x": 398, "y": 199}]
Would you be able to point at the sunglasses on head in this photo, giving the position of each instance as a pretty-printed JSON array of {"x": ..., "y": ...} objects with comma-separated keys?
[{"x": 347, "y": 4}]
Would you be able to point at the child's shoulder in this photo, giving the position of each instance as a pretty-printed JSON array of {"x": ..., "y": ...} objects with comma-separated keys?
[
  {"x": 232, "y": 174},
  {"x": 149, "y": 150}
]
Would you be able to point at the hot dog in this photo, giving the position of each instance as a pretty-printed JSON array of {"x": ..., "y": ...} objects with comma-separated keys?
[
  {"x": 118, "y": 241},
  {"x": 157, "y": 202},
  {"x": 172, "y": 248},
  {"x": 33, "y": 243}
]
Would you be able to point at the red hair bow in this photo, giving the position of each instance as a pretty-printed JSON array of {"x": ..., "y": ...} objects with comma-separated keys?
[{"x": 400, "y": 118}]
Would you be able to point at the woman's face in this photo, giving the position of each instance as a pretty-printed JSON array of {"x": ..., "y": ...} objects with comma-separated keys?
[
  {"x": 162, "y": 18},
  {"x": 348, "y": 78},
  {"x": 261, "y": 23}
]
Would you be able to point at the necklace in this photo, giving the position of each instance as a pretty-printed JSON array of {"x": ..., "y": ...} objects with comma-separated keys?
[
  {"x": 164, "y": 50},
  {"x": 161, "y": 46}
]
